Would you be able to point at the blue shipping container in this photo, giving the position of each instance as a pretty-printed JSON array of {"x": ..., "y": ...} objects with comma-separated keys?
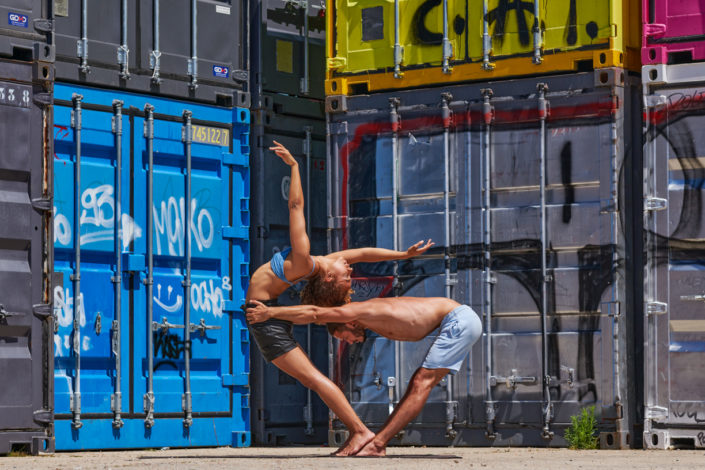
[{"x": 155, "y": 351}]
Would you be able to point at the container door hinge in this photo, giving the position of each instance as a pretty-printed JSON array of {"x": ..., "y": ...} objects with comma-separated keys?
[
  {"x": 232, "y": 380},
  {"x": 43, "y": 99},
  {"x": 654, "y": 30},
  {"x": 43, "y": 416},
  {"x": 240, "y": 75},
  {"x": 262, "y": 231},
  {"x": 42, "y": 204},
  {"x": 656, "y": 308},
  {"x": 44, "y": 25},
  {"x": 236, "y": 160},
  {"x": 337, "y": 62},
  {"x": 42, "y": 311},
  {"x": 655, "y": 204},
  {"x": 235, "y": 233},
  {"x": 656, "y": 413}
]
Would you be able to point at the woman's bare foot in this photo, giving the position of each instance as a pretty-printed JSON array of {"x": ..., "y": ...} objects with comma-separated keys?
[
  {"x": 355, "y": 442},
  {"x": 372, "y": 450}
]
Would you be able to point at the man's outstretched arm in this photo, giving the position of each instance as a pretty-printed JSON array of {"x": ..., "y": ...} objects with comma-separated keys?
[{"x": 301, "y": 314}]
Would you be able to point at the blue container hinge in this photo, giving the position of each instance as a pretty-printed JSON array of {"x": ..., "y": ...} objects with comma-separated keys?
[{"x": 132, "y": 262}]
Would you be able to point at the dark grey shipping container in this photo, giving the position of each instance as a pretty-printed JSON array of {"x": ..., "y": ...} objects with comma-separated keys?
[
  {"x": 187, "y": 49},
  {"x": 528, "y": 189},
  {"x": 288, "y": 47},
  {"x": 284, "y": 411},
  {"x": 26, "y": 231},
  {"x": 674, "y": 272},
  {"x": 26, "y": 28}
]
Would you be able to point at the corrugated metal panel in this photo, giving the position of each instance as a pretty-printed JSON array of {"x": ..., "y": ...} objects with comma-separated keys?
[
  {"x": 562, "y": 228},
  {"x": 285, "y": 411},
  {"x": 288, "y": 48},
  {"x": 26, "y": 30},
  {"x": 378, "y": 46},
  {"x": 26, "y": 397},
  {"x": 117, "y": 353},
  {"x": 193, "y": 50},
  {"x": 674, "y": 275},
  {"x": 673, "y": 32}
]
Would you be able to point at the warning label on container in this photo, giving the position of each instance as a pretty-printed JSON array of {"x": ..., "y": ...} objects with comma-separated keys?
[
  {"x": 15, "y": 95},
  {"x": 211, "y": 135},
  {"x": 220, "y": 71},
  {"x": 16, "y": 19},
  {"x": 225, "y": 10}
]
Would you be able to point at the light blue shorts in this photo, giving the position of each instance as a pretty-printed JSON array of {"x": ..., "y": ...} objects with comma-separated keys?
[{"x": 458, "y": 332}]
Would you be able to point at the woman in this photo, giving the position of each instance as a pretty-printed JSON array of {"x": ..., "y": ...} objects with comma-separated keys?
[{"x": 274, "y": 338}]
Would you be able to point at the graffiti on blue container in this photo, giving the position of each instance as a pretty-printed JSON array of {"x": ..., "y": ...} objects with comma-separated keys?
[
  {"x": 64, "y": 314},
  {"x": 97, "y": 219},
  {"x": 169, "y": 345},
  {"x": 169, "y": 221},
  {"x": 206, "y": 297}
]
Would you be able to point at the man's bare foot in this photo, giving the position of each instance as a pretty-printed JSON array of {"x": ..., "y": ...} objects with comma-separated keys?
[
  {"x": 372, "y": 450},
  {"x": 355, "y": 442}
]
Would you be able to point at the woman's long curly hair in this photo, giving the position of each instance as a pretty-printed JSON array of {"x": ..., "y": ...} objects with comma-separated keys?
[{"x": 324, "y": 293}]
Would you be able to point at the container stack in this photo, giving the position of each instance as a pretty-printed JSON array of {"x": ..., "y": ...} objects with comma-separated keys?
[
  {"x": 26, "y": 348},
  {"x": 674, "y": 333},
  {"x": 509, "y": 133},
  {"x": 151, "y": 224},
  {"x": 288, "y": 72}
]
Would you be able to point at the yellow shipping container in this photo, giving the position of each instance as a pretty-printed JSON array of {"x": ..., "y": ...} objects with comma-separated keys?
[{"x": 377, "y": 45}]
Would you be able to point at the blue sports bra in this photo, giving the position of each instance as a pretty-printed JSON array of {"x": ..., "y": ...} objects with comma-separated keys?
[{"x": 277, "y": 265}]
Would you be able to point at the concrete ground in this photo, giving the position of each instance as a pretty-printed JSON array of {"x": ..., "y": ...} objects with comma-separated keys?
[{"x": 408, "y": 458}]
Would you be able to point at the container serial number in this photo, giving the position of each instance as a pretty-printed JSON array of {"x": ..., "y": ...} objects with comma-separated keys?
[{"x": 211, "y": 135}]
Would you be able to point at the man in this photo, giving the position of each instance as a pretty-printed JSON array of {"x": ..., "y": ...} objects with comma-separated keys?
[{"x": 402, "y": 319}]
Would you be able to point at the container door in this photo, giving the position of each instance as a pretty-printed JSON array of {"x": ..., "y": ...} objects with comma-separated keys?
[
  {"x": 365, "y": 34},
  {"x": 85, "y": 304},
  {"x": 151, "y": 349},
  {"x": 289, "y": 412},
  {"x": 673, "y": 32},
  {"x": 533, "y": 252},
  {"x": 210, "y": 282},
  {"x": 25, "y": 30},
  {"x": 103, "y": 23},
  {"x": 217, "y": 35},
  {"x": 550, "y": 240},
  {"x": 381, "y": 166},
  {"x": 674, "y": 273},
  {"x": 25, "y": 344},
  {"x": 297, "y": 41}
]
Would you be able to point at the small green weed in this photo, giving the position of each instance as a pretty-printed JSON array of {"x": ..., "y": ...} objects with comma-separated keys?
[{"x": 582, "y": 432}]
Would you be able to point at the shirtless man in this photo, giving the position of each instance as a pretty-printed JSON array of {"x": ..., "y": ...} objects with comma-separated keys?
[{"x": 402, "y": 319}]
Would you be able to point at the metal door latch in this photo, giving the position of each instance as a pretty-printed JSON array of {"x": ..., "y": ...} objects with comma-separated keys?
[
  {"x": 201, "y": 327},
  {"x": 656, "y": 308},
  {"x": 4, "y": 313},
  {"x": 164, "y": 325},
  {"x": 655, "y": 204},
  {"x": 693, "y": 298},
  {"x": 512, "y": 381}
]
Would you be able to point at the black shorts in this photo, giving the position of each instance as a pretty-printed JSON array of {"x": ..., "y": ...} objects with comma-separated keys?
[{"x": 273, "y": 337}]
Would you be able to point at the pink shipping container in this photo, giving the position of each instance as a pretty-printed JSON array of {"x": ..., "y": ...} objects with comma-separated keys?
[{"x": 674, "y": 31}]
